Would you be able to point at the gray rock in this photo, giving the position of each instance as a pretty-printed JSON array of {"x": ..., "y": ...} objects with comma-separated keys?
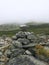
[
  {"x": 17, "y": 52},
  {"x": 24, "y": 41},
  {"x": 17, "y": 44},
  {"x": 1, "y": 53},
  {"x": 20, "y": 60},
  {"x": 14, "y": 38},
  {"x": 20, "y": 34},
  {"x": 8, "y": 53}
]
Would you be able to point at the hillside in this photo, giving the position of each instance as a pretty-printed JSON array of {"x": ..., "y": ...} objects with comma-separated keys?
[
  {"x": 8, "y": 27},
  {"x": 39, "y": 28},
  {"x": 11, "y": 29}
]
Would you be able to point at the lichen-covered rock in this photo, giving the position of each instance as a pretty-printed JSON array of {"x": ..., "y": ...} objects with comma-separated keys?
[
  {"x": 17, "y": 52},
  {"x": 24, "y": 41},
  {"x": 17, "y": 44},
  {"x": 20, "y": 60},
  {"x": 8, "y": 53}
]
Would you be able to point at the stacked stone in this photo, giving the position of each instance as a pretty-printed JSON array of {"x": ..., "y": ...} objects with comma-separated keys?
[{"x": 19, "y": 50}]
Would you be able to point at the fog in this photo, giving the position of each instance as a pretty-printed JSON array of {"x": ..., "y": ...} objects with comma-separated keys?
[{"x": 22, "y": 11}]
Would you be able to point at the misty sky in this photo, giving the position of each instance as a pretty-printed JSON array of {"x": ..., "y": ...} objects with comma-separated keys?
[{"x": 24, "y": 10}]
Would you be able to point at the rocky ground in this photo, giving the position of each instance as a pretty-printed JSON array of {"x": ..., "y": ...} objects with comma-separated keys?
[{"x": 25, "y": 48}]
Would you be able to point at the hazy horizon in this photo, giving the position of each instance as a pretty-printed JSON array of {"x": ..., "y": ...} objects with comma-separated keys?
[{"x": 22, "y": 11}]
